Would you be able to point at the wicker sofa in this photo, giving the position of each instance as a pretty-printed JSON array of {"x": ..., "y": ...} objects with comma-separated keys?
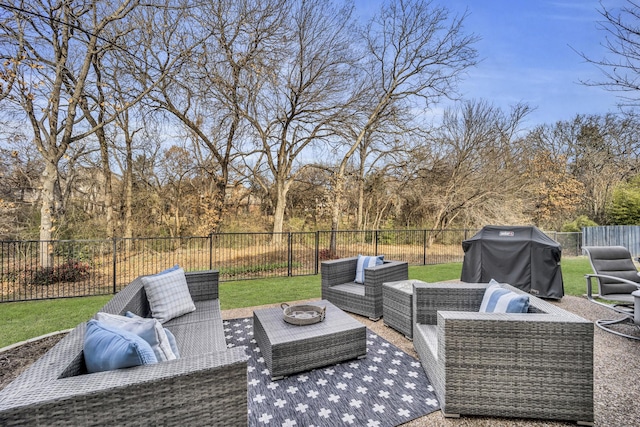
[
  {"x": 207, "y": 385},
  {"x": 365, "y": 299},
  {"x": 531, "y": 365}
]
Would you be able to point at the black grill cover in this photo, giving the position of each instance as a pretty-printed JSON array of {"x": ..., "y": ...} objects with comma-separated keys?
[{"x": 524, "y": 257}]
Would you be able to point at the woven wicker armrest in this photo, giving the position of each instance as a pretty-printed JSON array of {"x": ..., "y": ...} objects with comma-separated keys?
[
  {"x": 149, "y": 394},
  {"x": 509, "y": 327},
  {"x": 338, "y": 271},
  {"x": 523, "y": 365},
  {"x": 390, "y": 271},
  {"x": 429, "y": 298},
  {"x": 203, "y": 285}
]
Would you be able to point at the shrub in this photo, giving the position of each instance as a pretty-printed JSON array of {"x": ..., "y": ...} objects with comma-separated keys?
[
  {"x": 70, "y": 271},
  {"x": 576, "y": 225},
  {"x": 326, "y": 254}
]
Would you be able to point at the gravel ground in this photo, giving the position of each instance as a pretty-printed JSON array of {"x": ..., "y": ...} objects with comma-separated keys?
[{"x": 616, "y": 370}]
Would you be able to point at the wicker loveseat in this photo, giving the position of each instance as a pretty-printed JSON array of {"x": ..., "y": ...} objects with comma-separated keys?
[
  {"x": 531, "y": 365},
  {"x": 207, "y": 385}
]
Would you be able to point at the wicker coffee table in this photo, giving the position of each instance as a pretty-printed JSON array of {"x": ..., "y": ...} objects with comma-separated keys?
[{"x": 288, "y": 349}]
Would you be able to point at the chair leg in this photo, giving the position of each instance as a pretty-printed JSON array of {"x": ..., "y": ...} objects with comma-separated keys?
[
  {"x": 605, "y": 323},
  {"x": 448, "y": 415}
]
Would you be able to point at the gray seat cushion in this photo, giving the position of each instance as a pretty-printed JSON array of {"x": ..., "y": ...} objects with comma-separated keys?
[{"x": 351, "y": 288}]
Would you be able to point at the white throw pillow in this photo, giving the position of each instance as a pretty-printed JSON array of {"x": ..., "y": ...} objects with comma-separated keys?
[
  {"x": 168, "y": 295},
  {"x": 366, "y": 262},
  {"x": 149, "y": 330},
  {"x": 172, "y": 339}
]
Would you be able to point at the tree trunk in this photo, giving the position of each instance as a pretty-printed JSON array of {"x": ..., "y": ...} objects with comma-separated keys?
[
  {"x": 108, "y": 188},
  {"x": 128, "y": 194},
  {"x": 360, "y": 213},
  {"x": 47, "y": 214},
  {"x": 278, "y": 215},
  {"x": 335, "y": 211}
]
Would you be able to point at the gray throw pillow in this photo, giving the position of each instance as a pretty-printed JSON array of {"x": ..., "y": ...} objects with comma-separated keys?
[{"x": 168, "y": 295}]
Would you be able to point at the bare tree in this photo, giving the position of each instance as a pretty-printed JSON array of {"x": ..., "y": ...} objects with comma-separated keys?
[
  {"x": 53, "y": 46},
  {"x": 127, "y": 124},
  {"x": 414, "y": 51},
  {"x": 621, "y": 69},
  {"x": 20, "y": 170},
  {"x": 229, "y": 44},
  {"x": 469, "y": 169},
  {"x": 303, "y": 99}
]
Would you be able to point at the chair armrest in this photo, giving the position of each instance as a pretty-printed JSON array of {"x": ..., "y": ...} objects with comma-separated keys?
[
  {"x": 389, "y": 271},
  {"x": 203, "y": 285},
  {"x": 590, "y": 294},
  {"x": 617, "y": 279},
  {"x": 338, "y": 271},
  {"x": 429, "y": 298},
  {"x": 510, "y": 338}
]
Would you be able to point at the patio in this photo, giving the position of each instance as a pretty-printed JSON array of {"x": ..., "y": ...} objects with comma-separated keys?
[{"x": 615, "y": 361}]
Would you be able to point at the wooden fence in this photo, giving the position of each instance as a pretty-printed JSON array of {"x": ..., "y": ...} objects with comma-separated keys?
[{"x": 613, "y": 235}]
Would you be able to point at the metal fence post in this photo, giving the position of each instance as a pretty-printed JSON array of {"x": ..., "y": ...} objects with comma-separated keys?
[
  {"x": 289, "y": 254},
  {"x": 115, "y": 248},
  {"x": 424, "y": 247},
  {"x": 375, "y": 237},
  {"x": 210, "y": 251},
  {"x": 317, "y": 233}
]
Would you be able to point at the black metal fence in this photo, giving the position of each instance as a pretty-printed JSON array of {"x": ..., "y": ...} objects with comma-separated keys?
[{"x": 98, "y": 267}]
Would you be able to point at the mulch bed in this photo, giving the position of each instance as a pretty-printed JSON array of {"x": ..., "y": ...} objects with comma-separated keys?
[{"x": 16, "y": 360}]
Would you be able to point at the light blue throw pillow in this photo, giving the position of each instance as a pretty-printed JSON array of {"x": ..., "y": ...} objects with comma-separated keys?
[
  {"x": 170, "y": 337},
  {"x": 149, "y": 330},
  {"x": 168, "y": 270},
  {"x": 500, "y": 300},
  {"x": 366, "y": 262},
  {"x": 107, "y": 348}
]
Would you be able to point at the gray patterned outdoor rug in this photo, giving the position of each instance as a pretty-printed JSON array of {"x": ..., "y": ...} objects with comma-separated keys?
[{"x": 387, "y": 388}]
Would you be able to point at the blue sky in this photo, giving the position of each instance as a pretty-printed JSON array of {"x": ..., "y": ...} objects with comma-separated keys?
[{"x": 526, "y": 55}]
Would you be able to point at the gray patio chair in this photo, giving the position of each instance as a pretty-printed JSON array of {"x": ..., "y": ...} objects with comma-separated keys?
[
  {"x": 339, "y": 286},
  {"x": 616, "y": 277}
]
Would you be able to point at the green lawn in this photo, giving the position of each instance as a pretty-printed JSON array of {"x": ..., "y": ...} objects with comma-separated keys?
[{"x": 20, "y": 321}]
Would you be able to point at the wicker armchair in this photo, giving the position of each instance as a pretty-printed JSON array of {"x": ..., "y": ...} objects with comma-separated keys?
[
  {"x": 338, "y": 285},
  {"x": 531, "y": 365}
]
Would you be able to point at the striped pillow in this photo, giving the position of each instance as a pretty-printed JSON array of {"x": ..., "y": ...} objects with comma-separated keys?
[
  {"x": 499, "y": 300},
  {"x": 366, "y": 262}
]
